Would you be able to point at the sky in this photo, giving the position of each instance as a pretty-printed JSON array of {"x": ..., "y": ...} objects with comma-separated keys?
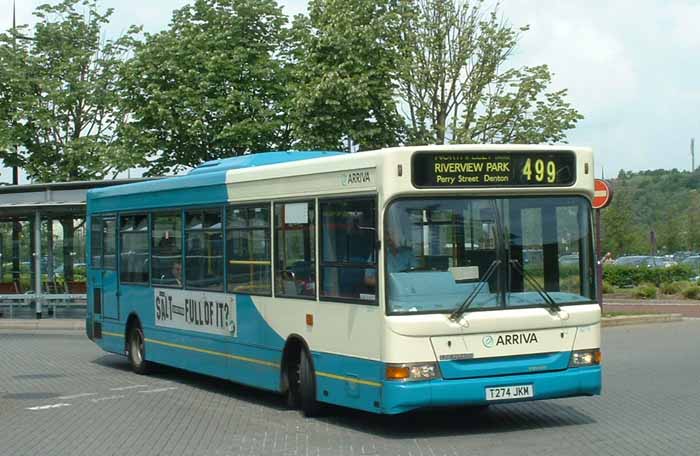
[{"x": 630, "y": 67}]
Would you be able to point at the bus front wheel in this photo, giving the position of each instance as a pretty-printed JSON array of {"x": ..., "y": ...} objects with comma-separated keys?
[
  {"x": 307, "y": 386},
  {"x": 137, "y": 350}
]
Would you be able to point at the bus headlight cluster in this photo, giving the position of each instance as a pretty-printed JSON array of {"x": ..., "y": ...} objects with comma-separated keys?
[
  {"x": 589, "y": 357},
  {"x": 413, "y": 371}
]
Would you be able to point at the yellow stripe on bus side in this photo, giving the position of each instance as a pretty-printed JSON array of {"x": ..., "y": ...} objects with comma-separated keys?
[
  {"x": 350, "y": 379},
  {"x": 215, "y": 353},
  {"x": 249, "y": 360}
]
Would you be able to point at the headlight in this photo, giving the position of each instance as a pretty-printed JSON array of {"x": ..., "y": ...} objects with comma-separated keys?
[
  {"x": 590, "y": 357},
  {"x": 411, "y": 372}
]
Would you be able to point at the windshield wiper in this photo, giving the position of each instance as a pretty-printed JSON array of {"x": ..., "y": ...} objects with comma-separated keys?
[
  {"x": 454, "y": 316},
  {"x": 533, "y": 283}
]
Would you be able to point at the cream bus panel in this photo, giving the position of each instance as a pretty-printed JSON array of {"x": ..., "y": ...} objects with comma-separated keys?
[
  {"x": 340, "y": 182},
  {"x": 339, "y": 328},
  {"x": 497, "y": 344},
  {"x": 587, "y": 337},
  {"x": 494, "y": 321}
]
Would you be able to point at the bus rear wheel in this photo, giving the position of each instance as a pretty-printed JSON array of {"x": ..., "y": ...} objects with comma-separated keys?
[
  {"x": 136, "y": 350},
  {"x": 307, "y": 386}
]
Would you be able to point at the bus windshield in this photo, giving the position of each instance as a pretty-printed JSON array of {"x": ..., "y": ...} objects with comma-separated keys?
[{"x": 498, "y": 253}]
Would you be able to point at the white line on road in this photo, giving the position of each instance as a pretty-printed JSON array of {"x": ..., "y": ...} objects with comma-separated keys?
[
  {"x": 107, "y": 398},
  {"x": 122, "y": 388},
  {"x": 46, "y": 407},
  {"x": 74, "y": 396},
  {"x": 158, "y": 390}
]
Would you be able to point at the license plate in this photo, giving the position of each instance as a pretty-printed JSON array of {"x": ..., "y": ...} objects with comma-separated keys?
[{"x": 502, "y": 393}]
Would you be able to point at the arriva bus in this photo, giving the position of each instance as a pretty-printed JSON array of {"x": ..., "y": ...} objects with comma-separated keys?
[{"x": 385, "y": 281}]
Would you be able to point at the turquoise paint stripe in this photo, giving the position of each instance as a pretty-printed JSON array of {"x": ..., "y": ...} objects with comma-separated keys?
[
  {"x": 249, "y": 360},
  {"x": 349, "y": 379},
  {"x": 214, "y": 353}
]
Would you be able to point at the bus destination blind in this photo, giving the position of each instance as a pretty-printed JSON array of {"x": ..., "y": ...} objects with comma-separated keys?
[{"x": 493, "y": 169}]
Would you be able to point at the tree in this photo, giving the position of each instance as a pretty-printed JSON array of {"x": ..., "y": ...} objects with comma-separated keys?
[
  {"x": 210, "y": 86},
  {"x": 65, "y": 112},
  {"x": 455, "y": 85},
  {"x": 622, "y": 234},
  {"x": 693, "y": 227},
  {"x": 345, "y": 67}
]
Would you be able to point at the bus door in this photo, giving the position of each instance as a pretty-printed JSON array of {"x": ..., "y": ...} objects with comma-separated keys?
[
  {"x": 108, "y": 276},
  {"x": 95, "y": 271}
]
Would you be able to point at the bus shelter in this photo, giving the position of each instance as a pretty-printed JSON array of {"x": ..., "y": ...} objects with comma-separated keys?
[{"x": 43, "y": 263}]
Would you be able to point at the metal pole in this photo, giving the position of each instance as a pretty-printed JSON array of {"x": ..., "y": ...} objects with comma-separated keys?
[
  {"x": 599, "y": 269},
  {"x": 692, "y": 154},
  {"x": 15, "y": 168},
  {"x": 37, "y": 263}
]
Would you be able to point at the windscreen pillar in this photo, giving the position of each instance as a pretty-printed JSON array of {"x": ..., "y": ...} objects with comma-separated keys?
[
  {"x": 550, "y": 248},
  {"x": 516, "y": 246}
]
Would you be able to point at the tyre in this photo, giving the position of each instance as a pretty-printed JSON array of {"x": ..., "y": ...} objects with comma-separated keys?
[
  {"x": 292, "y": 380},
  {"x": 136, "y": 350},
  {"x": 307, "y": 386}
]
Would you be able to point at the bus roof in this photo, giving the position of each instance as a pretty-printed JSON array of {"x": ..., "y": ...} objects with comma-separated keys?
[{"x": 244, "y": 168}]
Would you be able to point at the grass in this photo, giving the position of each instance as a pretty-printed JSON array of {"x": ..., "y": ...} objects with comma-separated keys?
[{"x": 626, "y": 314}]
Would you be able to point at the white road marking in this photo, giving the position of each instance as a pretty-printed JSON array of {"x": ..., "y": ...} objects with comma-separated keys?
[
  {"x": 107, "y": 398},
  {"x": 158, "y": 390},
  {"x": 46, "y": 407},
  {"x": 122, "y": 388},
  {"x": 77, "y": 395}
]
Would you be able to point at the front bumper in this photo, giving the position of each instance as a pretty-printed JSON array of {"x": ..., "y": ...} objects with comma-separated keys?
[{"x": 399, "y": 397}]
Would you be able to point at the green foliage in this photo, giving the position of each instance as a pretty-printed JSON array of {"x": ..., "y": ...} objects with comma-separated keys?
[
  {"x": 453, "y": 83},
  {"x": 626, "y": 276},
  {"x": 645, "y": 291},
  {"x": 670, "y": 288},
  {"x": 344, "y": 73},
  {"x": 229, "y": 77},
  {"x": 210, "y": 86},
  {"x": 664, "y": 201},
  {"x": 64, "y": 96},
  {"x": 607, "y": 288},
  {"x": 692, "y": 292}
]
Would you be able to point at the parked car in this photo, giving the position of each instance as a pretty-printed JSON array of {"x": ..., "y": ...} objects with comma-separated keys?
[
  {"x": 640, "y": 261},
  {"x": 634, "y": 260},
  {"x": 569, "y": 259}
]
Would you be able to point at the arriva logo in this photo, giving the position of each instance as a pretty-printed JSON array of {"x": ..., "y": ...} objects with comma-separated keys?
[
  {"x": 487, "y": 341},
  {"x": 510, "y": 339}
]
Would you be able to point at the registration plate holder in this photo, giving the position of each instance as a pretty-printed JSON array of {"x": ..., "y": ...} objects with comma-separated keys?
[{"x": 504, "y": 393}]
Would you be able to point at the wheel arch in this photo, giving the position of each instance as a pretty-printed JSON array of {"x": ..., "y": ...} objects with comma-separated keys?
[
  {"x": 291, "y": 355},
  {"x": 132, "y": 320}
]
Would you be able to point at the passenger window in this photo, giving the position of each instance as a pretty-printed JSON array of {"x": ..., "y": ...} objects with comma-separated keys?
[
  {"x": 166, "y": 249},
  {"x": 204, "y": 240},
  {"x": 295, "y": 268},
  {"x": 248, "y": 244},
  {"x": 348, "y": 249},
  {"x": 134, "y": 249},
  {"x": 109, "y": 245},
  {"x": 96, "y": 235}
]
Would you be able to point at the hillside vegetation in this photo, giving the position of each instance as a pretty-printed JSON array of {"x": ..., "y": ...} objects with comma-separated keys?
[{"x": 666, "y": 202}]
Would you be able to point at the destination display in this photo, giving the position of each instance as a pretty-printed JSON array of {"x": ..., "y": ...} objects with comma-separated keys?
[{"x": 497, "y": 169}]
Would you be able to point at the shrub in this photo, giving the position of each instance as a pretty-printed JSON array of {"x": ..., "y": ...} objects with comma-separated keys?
[
  {"x": 607, "y": 288},
  {"x": 645, "y": 291},
  {"x": 683, "y": 284},
  {"x": 626, "y": 276},
  {"x": 692, "y": 292},
  {"x": 670, "y": 288}
]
